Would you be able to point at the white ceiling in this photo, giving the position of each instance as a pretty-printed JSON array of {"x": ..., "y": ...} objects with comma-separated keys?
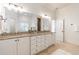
[
  {"x": 59, "y": 5},
  {"x": 51, "y": 6}
]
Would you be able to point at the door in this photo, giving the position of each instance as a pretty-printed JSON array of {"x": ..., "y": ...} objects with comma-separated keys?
[
  {"x": 8, "y": 47},
  {"x": 38, "y": 24},
  {"x": 24, "y": 46},
  {"x": 60, "y": 30}
]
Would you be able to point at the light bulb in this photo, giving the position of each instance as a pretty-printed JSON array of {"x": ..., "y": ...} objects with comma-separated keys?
[{"x": 21, "y": 9}]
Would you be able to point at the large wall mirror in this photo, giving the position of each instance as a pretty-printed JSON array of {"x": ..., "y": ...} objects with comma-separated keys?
[{"x": 23, "y": 22}]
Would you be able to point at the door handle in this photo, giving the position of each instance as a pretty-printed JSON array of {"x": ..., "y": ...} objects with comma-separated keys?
[{"x": 16, "y": 40}]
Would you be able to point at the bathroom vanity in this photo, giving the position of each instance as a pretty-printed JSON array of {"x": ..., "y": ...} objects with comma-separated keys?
[{"x": 25, "y": 43}]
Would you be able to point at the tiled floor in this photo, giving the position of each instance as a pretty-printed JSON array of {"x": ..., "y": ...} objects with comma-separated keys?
[
  {"x": 71, "y": 48},
  {"x": 60, "y": 52}
]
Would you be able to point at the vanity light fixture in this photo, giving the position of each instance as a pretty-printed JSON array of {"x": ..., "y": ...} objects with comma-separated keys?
[
  {"x": 15, "y": 7},
  {"x": 45, "y": 16}
]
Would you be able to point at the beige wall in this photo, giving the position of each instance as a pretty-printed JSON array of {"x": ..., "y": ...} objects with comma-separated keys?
[{"x": 71, "y": 16}]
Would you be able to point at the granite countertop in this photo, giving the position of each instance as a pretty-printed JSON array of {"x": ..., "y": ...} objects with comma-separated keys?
[{"x": 22, "y": 34}]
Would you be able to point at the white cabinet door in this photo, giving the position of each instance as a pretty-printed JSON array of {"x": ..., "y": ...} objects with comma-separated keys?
[
  {"x": 24, "y": 46},
  {"x": 33, "y": 45},
  {"x": 8, "y": 47}
]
